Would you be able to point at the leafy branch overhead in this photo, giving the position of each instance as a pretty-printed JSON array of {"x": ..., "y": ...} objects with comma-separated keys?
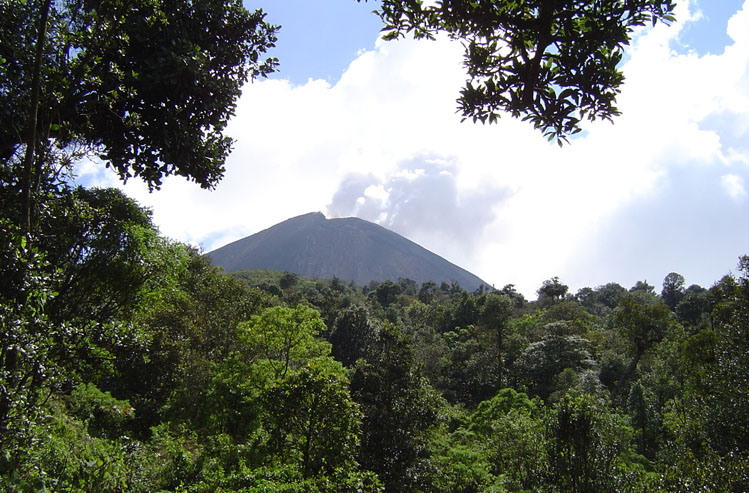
[{"x": 550, "y": 62}]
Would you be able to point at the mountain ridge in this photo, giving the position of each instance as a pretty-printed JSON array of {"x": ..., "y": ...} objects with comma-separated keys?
[{"x": 351, "y": 249}]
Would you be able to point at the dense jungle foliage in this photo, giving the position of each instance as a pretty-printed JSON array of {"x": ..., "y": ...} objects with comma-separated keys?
[{"x": 131, "y": 364}]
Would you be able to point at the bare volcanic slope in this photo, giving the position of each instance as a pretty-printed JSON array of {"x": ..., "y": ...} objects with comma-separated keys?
[{"x": 350, "y": 249}]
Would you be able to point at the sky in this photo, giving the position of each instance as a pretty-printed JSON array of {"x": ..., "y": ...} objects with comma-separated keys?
[{"x": 355, "y": 126}]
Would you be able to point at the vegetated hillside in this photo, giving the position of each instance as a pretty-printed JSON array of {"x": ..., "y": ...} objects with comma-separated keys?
[{"x": 351, "y": 249}]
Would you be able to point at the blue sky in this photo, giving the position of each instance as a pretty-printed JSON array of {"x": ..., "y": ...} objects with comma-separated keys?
[
  {"x": 709, "y": 34},
  {"x": 354, "y": 126},
  {"x": 319, "y": 38}
]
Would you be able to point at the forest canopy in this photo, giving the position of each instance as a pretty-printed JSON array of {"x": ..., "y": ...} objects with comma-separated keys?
[{"x": 129, "y": 363}]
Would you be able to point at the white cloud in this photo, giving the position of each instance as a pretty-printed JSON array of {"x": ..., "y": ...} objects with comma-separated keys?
[
  {"x": 386, "y": 144},
  {"x": 734, "y": 187}
]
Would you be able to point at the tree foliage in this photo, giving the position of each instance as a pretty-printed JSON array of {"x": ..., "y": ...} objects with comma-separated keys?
[
  {"x": 586, "y": 443},
  {"x": 147, "y": 87},
  {"x": 552, "y": 63},
  {"x": 129, "y": 363}
]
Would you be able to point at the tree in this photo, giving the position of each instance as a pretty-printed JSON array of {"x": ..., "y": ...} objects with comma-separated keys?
[
  {"x": 312, "y": 419},
  {"x": 494, "y": 317},
  {"x": 288, "y": 280},
  {"x": 643, "y": 321},
  {"x": 540, "y": 365},
  {"x": 284, "y": 338},
  {"x": 190, "y": 319},
  {"x": 387, "y": 293},
  {"x": 578, "y": 320},
  {"x": 642, "y": 286},
  {"x": 552, "y": 63},
  {"x": 512, "y": 431},
  {"x": 351, "y": 335},
  {"x": 490, "y": 410},
  {"x": 551, "y": 291},
  {"x": 68, "y": 296},
  {"x": 427, "y": 292},
  {"x": 673, "y": 290},
  {"x": 585, "y": 442},
  {"x": 601, "y": 300},
  {"x": 610, "y": 294},
  {"x": 465, "y": 312},
  {"x": 145, "y": 86},
  {"x": 694, "y": 308},
  {"x": 26, "y": 338},
  {"x": 720, "y": 402},
  {"x": 107, "y": 250},
  {"x": 399, "y": 409},
  {"x": 517, "y": 298}
]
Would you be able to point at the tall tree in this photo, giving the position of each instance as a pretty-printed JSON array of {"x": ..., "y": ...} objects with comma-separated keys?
[
  {"x": 494, "y": 317},
  {"x": 585, "y": 441},
  {"x": 550, "y": 62},
  {"x": 351, "y": 335},
  {"x": 145, "y": 86},
  {"x": 67, "y": 297},
  {"x": 399, "y": 409},
  {"x": 643, "y": 320},
  {"x": 551, "y": 291},
  {"x": 312, "y": 419},
  {"x": 673, "y": 290}
]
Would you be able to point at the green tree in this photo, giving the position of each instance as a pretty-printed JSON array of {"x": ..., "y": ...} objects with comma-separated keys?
[
  {"x": 694, "y": 308},
  {"x": 643, "y": 321},
  {"x": 147, "y": 87},
  {"x": 511, "y": 429},
  {"x": 645, "y": 419},
  {"x": 106, "y": 248},
  {"x": 494, "y": 317},
  {"x": 26, "y": 339},
  {"x": 601, "y": 300},
  {"x": 517, "y": 298},
  {"x": 610, "y": 294},
  {"x": 312, "y": 419},
  {"x": 472, "y": 373},
  {"x": 351, "y": 335},
  {"x": 586, "y": 442},
  {"x": 716, "y": 410},
  {"x": 542, "y": 362},
  {"x": 399, "y": 410},
  {"x": 189, "y": 319},
  {"x": 572, "y": 312},
  {"x": 503, "y": 402},
  {"x": 673, "y": 290},
  {"x": 427, "y": 292},
  {"x": 551, "y": 63},
  {"x": 465, "y": 312},
  {"x": 642, "y": 286},
  {"x": 461, "y": 464},
  {"x": 308, "y": 417},
  {"x": 71, "y": 292},
  {"x": 387, "y": 293},
  {"x": 283, "y": 339},
  {"x": 551, "y": 291},
  {"x": 288, "y": 280}
]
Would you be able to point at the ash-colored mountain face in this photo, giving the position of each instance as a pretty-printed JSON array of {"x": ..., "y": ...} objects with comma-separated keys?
[{"x": 350, "y": 249}]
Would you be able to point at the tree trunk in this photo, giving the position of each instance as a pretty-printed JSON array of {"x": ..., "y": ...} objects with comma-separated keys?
[
  {"x": 32, "y": 140},
  {"x": 629, "y": 372}
]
